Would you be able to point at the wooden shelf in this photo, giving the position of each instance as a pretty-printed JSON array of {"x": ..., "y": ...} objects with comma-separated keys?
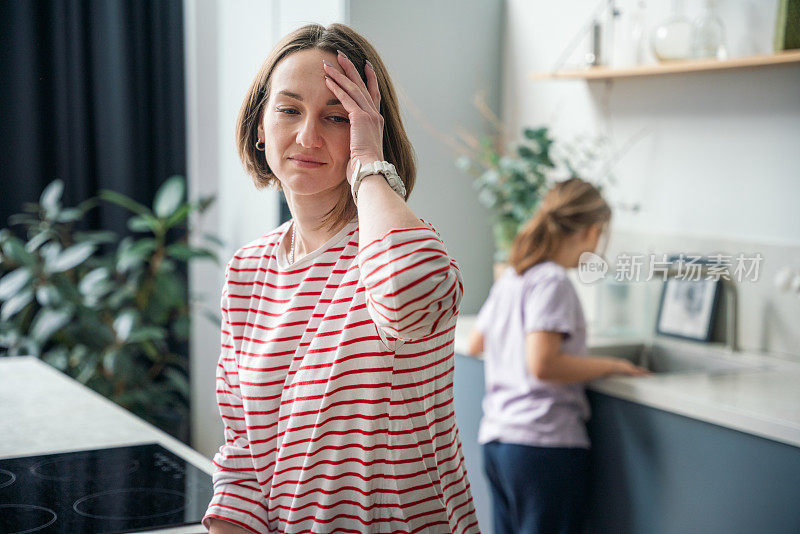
[{"x": 675, "y": 67}]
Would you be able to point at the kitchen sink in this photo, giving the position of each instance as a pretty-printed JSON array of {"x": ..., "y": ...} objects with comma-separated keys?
[{"x": 677, "y": 356}]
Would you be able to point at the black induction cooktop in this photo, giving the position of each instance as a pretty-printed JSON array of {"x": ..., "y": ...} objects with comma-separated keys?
[{"x": 121, "y": 489}]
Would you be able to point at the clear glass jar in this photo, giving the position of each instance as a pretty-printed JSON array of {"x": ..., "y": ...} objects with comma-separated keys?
[
  {"x": 672, "y": 39},
  {"x": 708, "y": 34}
]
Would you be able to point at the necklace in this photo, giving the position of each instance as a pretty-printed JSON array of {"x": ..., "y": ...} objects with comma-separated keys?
[{"x": 291, "y": 253}]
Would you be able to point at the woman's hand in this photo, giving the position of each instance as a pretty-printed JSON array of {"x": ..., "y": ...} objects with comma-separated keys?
[{"x": 362, "y": 103}]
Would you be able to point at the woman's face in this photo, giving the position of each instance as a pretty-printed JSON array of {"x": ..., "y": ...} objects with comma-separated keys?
[{"x": 305, "y": 128}]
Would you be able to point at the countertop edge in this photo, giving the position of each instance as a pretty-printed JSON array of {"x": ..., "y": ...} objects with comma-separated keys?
[{"x": 648, "y": 392}]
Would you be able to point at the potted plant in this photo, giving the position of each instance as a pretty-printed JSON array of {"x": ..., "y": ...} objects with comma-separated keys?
[
  {"x": 111, "y": 313},
  {"x": 511, "y": 181}
]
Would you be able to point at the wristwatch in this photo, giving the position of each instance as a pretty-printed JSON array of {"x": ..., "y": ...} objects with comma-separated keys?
[{"x": 377, "y": 167}]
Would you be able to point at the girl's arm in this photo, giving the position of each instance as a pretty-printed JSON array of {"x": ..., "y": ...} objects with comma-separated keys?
[
  {"x": 475, "y": 343},
  {"x": 546, "y": 361}
]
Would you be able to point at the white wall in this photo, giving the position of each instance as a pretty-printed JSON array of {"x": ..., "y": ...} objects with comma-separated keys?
[
  {"x": 440, "y": 54},
  {"x": 719, "y": 158},
  {"x": 717, "y": 168},
  {"x": 225, "y": 45}
]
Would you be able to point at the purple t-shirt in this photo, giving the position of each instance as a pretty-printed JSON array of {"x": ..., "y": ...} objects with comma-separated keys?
[{"x": 518, "y": 407}]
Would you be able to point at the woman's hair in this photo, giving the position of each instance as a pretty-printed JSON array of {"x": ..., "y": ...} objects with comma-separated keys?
[
  {"x": 568, "y": 207},
  {"x": 396, "y": 146}
]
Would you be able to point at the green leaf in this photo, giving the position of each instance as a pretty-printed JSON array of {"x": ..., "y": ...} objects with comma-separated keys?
[
  {"x": 204, "y": 203},
  {"x": 27, "y": 347},
  {"x": 88, "y": 370},
  {"x": 14, "y": 248},
  {"x": 214, "y": 239},
  {"x": 179, "y": 216},
  {"x": 169, "y": 196},
  {"x": 124, "y": 323},
  {"x": 48, "y": 295},
  {"x": 58, "y": 358},
  {"x": 178, "y": 381},
  {"x": 535, "y": 134},
  {"x": 71, "y": 257},
  {"x": 92, "y": 279},
  {"x": 10, "y": 338},
  {"x": 214, "y": 317},
  {"x": 51, "y": 196},
  {"x": 181, "y": 251},
  {"x": 38, "y": 240},
  {"x": 526, "y": 152},
  {"x": 23, "y": 219},
  {"x": 69, "y": 215},
  {"x": 48, "y": 321},
  {"x": 125, "y": 202},
  {"x": 99, "y": 236},
  {"x": 13, "y": 282},
  {"x": 110, "y": 360},
  {"x": 144, "y": 223},
  {"x": 180, "y": 328},
  {"x": 146, "y": 333},
  {"x": 134, "y": 253},
  {"x": 16, "y": 304}
]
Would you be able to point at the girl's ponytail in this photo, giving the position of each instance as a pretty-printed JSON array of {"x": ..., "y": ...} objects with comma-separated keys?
[{"x": 568, "y": 207}]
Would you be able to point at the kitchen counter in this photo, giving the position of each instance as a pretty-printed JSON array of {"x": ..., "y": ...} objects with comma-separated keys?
[
  {"x": 42, "y": 411},
  {"x": 764, "y": 402}
]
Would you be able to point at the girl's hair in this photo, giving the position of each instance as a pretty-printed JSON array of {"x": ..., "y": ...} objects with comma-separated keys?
[
  {"x": 396, "y": 146},
  {"x": 568, "y": 207}
]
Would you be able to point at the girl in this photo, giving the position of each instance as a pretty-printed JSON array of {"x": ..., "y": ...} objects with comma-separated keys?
[
  {"x": 336, "y": 372},
  {"x": 532, "y": 332}
]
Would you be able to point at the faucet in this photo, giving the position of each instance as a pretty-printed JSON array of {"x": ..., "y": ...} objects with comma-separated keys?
[{"x": 731, "y": 309}]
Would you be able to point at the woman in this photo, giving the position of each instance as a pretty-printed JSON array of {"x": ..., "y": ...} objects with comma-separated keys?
[
  {"x": 335, "y": 378},
  {"x": 532, "y": 333}
]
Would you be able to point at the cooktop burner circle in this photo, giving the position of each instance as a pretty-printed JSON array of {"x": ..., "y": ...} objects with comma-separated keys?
[
  {"x": 25, "y": 518},
  {"x": 65, "y": 468},
  {"x": 6, "y": 478},
  {"x": 140, "y": 503}
]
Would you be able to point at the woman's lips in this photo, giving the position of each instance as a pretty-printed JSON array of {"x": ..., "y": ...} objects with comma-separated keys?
[{"x": 306, "y": 164}]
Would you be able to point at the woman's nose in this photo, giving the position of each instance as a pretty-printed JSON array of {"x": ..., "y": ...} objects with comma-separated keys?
[{"x": 308, "y": 135}]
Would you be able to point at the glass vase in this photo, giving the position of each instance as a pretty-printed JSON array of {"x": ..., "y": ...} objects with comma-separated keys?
[{"x": 672, "y": 39}]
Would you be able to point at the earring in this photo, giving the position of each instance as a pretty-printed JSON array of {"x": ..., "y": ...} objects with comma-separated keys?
[{"x": 260, "y": 145}]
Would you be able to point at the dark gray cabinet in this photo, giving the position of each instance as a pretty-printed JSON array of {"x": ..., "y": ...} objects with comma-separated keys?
[{"x": 655, "y": 472}]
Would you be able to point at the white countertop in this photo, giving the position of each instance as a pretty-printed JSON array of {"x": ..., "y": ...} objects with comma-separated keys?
[
  {"x": 42, "y": 411},
  {"x": 764, "y": 402}
]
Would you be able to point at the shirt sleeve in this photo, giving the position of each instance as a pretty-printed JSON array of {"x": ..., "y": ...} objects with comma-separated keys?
[
  {"x": 237, "y": 495},
  {"x": 413, "y": 287},
  {"x": 485, "y": 314},
  {"x": 549, "y": 306}
]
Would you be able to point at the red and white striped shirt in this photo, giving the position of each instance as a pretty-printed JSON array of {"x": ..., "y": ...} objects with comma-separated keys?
[{"x": 335, "y": 385}]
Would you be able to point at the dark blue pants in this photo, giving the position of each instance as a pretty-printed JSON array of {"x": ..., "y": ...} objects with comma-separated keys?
[{"x": 537, "y": 490}]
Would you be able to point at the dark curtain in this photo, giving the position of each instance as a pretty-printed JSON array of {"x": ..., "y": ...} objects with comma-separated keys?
[{"x": 91, "y": 92}]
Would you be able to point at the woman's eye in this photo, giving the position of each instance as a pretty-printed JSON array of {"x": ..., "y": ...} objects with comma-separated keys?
[
  {"x": 340, "y": 120},
  {"x": 288, "y": 111}
]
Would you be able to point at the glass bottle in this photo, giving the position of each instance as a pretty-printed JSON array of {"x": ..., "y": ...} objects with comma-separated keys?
[
  {"x": 708, "y": 34},
  {"x": 672, "y": 39},
  {"x": 633, "y": 52}
]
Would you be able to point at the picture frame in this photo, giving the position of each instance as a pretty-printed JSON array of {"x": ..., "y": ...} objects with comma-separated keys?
[{"x": 687, "y": 308}]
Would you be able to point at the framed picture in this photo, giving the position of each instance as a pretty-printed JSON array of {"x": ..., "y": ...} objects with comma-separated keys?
[{"x": 687, "y": 308}]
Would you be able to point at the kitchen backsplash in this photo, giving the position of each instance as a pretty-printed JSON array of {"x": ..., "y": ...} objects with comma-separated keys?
[{"x": 768, "y": 318}]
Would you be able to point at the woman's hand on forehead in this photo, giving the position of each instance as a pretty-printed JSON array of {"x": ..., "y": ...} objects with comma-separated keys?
[{"x": 362, "y": 103}]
